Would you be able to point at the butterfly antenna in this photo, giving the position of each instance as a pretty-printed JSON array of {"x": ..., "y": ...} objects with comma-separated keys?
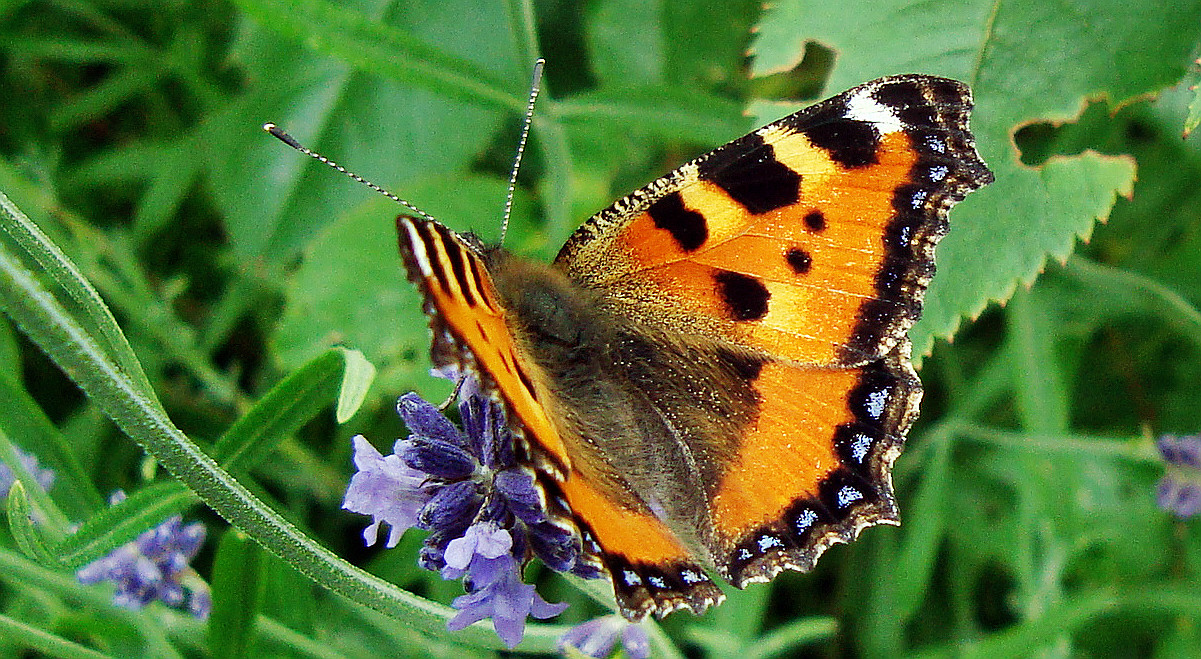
[
  {"x": 535, "y": 87},
  {"x": 291, "y": 141}
]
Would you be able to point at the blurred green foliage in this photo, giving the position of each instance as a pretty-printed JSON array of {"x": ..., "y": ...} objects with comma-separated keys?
[{"x": 130, "y": 134}]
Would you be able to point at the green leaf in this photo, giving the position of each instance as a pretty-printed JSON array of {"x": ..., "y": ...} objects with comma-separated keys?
[
  {"x": 793, "y": 634},
  {"x": 905, "y": 580},
  {"x": 289, "y": 597},
  {"x": 779, "y": 44},
  {"x": 355, "y": 37},
  {"x": 290, "y": 404},
  {"x": 108, "y": 95},
  {"x": 625, "y": 39},
  {"x": 43, "y": 642},
  {"x": 25, "y": 528},
  {"x": 356, "y": 382},
  {"x": 1079, "y": 611},
  {"x": 20, "y": 416},
  {"x": 707, "y": 41},
  {"x": 672, "y": 114},
  {"x": 122, "y": 632},
  {"x": 277, "y": 415},
  {"x": 237, "y": 588},
  {"x": 1194, "y": 111},
  {"x": 107, "y": 529},
  {"x": 1004, "y": 51},
  {"x": 1110, "y": 292},
  {"x": 71, "y": 289},
  {"x": 177, "y": 171},
  {"x": 115, "y": 269},
  {"x": 391, "y": 108},
  {"x": 10, "y": 356}
]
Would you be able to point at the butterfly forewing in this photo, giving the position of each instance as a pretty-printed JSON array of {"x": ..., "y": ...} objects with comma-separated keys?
[
  {"x": 810, "y": 239},
  {"x": 469, "y": 328}
]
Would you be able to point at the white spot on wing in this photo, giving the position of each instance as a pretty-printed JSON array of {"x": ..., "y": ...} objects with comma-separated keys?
[
  {"x": 848, "y": 495},
  {"x": 876, "y": 401},
  {"x": 860, "y": 446},
  {"x": 423, "y": 260},
  {"x": 805, "y": 520},
  {"x": 862, "y": 107},
  {"x": 769, "y": 542}
]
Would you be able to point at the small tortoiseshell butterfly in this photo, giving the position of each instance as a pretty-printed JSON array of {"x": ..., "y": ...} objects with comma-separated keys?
[{"x": 714, "y": 372}]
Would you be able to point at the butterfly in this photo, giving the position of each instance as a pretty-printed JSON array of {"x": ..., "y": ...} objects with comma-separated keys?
[{"x": 713, "y": 375}]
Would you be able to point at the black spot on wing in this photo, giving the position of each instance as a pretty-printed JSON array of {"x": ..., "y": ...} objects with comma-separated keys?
[
  {"x": 849, "y": 143},
  {"x": 687, "y": 227},
  {"x": 815, "y": 221},
  {"x": 748, "y": 171},
  {"x": 907, "y": 101},
  {"x": 799, "y": 260},
  {"x": 745, "y": 297}
]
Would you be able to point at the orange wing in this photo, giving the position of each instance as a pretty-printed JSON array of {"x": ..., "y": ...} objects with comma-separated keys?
[
  {"x": 810, "y": 240},
  {"x": 651, "y": 569},
  {"x": 815, "y": 467},
  {"x": 797, "y": 254},
  {"x": 470, "y": 334},
  {"x": 807, "y": 247}
]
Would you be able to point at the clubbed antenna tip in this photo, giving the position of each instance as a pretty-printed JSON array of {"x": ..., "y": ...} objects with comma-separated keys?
[
  {"x": 284, "y": 137},
  {"x": 535, "y": 87}
]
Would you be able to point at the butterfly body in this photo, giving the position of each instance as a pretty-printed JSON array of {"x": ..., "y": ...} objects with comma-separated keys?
[{"x": 713, "y": 374}]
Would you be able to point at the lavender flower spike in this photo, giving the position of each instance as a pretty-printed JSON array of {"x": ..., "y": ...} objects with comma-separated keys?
[
  {"x": 44, "y": 477},
  {"x": 484, "y": 509},
  {"x": 496, "y": 592},
  {"x": 155, "y": 566},
  {"x": 1179, "y": 491},
  {"x": 485, "y": 540}
]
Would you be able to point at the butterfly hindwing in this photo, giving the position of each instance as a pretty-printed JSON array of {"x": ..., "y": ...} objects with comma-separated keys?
[
  {"x": 651, "y": 569},
  {"x": 814, "y": 467}
]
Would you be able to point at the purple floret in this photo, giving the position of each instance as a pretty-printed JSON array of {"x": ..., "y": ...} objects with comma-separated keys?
[{"x": 484, "y": 510}]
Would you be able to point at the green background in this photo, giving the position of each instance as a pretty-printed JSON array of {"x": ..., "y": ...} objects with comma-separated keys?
[{"x": 130, "y": 134}]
